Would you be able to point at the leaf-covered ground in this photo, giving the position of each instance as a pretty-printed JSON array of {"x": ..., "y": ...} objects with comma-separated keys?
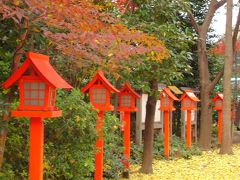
[{"x": 208, "y": 166}]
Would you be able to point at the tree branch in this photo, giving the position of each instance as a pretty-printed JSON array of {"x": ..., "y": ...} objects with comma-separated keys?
[
  {"x": 235, "y": 32},
  {"x": 220, "y": 3},
  {"x": 216, "y": 79},
  {"x": 19, "y": 49},
  {"x": 193, "y": 21},
  {"x": 214, "y": 5}
]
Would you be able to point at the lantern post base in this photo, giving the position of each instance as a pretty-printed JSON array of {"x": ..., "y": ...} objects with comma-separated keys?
[
  {"x": 36, "y": 148},
  {"x": 189, "y": 130},
  {"x": 98, "y": 173},
  {"x": 219, "y": 124},
  {"x": 126, "y": 139},
  {"x": 166, "y": 133}
]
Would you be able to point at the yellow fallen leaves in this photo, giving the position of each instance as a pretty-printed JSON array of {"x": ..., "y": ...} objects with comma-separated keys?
[{"x": 209, "y": 166}]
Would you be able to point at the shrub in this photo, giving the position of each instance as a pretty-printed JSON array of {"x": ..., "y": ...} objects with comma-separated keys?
[
  {"x": 113, "y": 147},
  {"x": 69, "y": 143}
]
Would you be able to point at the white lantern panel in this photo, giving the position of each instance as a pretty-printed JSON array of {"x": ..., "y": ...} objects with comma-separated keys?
[
  {"x": 99, "y": 96},
  {"x": 126, "y": 101}
]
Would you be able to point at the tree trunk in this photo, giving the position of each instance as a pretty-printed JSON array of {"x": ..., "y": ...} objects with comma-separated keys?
[
  {"x": 3, "y": 132},
  {"x": 206, "y": 84},
  {"x": 149, "y": 130},
  {"x": 15, "y": 63},
  {"x": 118, "y": 86},
  {"x": 206, "y": 111},
  {"x": 226, "y": 145}
]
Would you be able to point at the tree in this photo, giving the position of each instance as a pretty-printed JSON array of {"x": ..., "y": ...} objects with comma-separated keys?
[
  {"x": 160, "y": 18},
  {"x": 89, "y": 37},
  {"x": 206, "y": 84},
  {"x": 226, "y": 145}
]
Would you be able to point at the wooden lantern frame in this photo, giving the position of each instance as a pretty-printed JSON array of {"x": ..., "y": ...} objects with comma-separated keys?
[
  {"x": 97, "y": 83},
  {"x": 166, "y": 105},
  {"x": 127, "y": 105},
  {"x": 37, "y": 69},
  {"x": 167, "y": 95},
  {"x": 189, "y": 103},
  {"x": 216, "y": 99},
  {"x": 218, "y": 107},
  {"x": 100, "y": 82},
  {"x": 190, "y": 99},
  {"x": 37, "y": 82}
]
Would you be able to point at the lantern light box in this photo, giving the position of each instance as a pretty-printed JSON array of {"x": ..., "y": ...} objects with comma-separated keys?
[
  {"x": 127, "y": 97},
  {"x": 37, "y": 82},
  {"x": 99, "y": 90},
  {"x": 218, "y": 105},
  {"x": 166, "y": 100},
  {"x": 218, "y": 101},
  {"x": 189, "y": 100}
]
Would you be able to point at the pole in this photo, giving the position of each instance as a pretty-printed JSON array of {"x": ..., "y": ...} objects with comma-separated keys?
[
  {"x": 189, "y": 129},
  {"x": 166, "y": 133},
  {"x": 98, "y": 173},
  {"x": 126, "y": 142},
  {"x": 36, "y": 148},
  {"x": 219, "y": 126}
]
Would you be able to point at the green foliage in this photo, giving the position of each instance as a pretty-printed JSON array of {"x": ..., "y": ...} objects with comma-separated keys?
[
  {"x": 136, "y": 153},
  {"x": 70, "y": 139},
  {"x": 69, "y": 143},
  {"x": 177, "y": 149},
  {"x": 113, "y": 147},
  {"x": 162, "y": 19},
  {"x": 16, "y": 150}
]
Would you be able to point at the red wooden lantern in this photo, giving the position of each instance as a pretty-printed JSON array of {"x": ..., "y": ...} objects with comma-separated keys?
[
  {"x": 99, "y": 91},
  {"x": 188, "y": 102},
  {"x": 166, "y": 100},
  {"x": 218, "y": 101},
  {"x": 166, "y": 104},
  {"x": 127, "y": 98},
  {"x": 218, "y": 105},
  {"x": 37, "y": 82}
]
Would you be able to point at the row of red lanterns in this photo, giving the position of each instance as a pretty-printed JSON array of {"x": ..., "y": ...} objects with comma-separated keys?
[{"x": 37, "y": 82}]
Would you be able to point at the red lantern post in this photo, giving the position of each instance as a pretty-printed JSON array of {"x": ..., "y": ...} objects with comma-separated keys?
[
  {"x": 99, "y": 90},
  {"x": 189, "y": 102},
  {"x": 166, "y": 104},
  {"x": 127, "y": 98},
  {"x": 218, "y": 105},
  {"x": 37, "y": 82}
]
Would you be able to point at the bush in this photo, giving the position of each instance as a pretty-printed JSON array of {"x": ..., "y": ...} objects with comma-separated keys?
[
  {"x": 69, "y": 143},
  {"x": 113, "y": 147}
]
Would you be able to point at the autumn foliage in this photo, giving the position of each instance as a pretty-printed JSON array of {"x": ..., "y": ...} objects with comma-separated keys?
[
  {"x": 219, "y": 49},
  {"x": 78, "y": 30}
]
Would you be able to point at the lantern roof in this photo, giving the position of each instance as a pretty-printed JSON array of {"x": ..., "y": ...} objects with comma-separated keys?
[
  {"x": 218, "y": 96},
  {"x": 189, "y": 94},
  {"x": 127, "y": 87},
  {"x": 169, "y": 93},
  {"x": 100, "y": 76},
  {"x": 40, "y": 64}
]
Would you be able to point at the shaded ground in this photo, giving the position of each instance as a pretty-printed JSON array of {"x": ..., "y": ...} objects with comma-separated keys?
[{"x": 209, "y": 166}]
